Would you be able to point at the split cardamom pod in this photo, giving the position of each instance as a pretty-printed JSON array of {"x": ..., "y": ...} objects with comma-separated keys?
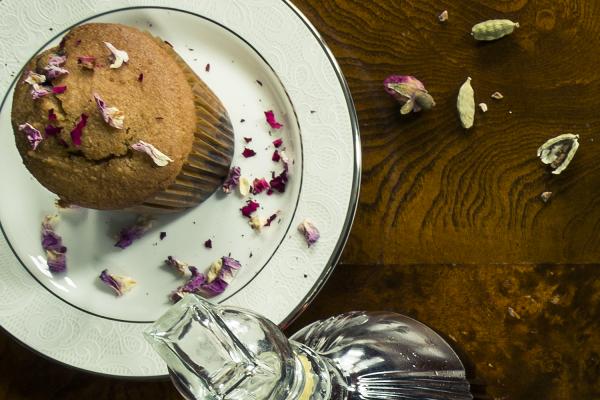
[
  {"x": 465, "y": 103},
  {"x": 559, "y": 151},
  {"x": 493, "y": 29}
]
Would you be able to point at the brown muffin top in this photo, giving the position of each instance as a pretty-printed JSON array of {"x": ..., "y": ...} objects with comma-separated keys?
[{"x": 104, "y": 172}]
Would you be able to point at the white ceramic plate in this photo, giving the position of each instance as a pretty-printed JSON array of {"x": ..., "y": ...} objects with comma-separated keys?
[{"x": 74, "y": 319}]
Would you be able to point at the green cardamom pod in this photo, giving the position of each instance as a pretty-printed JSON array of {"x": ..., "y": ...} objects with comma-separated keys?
[
  {"x": 465, "y": 104},
  {"x": 559, "y": 151},
  {"x": 493, "y": 29}
]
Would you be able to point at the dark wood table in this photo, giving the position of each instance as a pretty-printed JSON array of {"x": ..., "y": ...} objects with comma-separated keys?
[{"x": 450, "y": 229}]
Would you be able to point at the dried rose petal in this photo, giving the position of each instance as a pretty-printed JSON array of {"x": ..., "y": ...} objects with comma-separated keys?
[
  {"x": 162, "y": 235},
  {"x": 271, "y": 120},
  {"x": 257, "y": 222},
  {"x": 179, "y": 266},
  {"x": 87, "y": 62},
  {"x": 134, "y": 232},
  {"x": 77, "y": 131},
  {"x": 51, "y": 115},
  {"x": 207, "y": 68},
  {"x": 409, "y": 92},
  {"x": 38, "y": 91},
  {"x": 119, "y": 283},
  {"x": 52, "y": 244},
  {"x": 245, "y": 186},
  {"x": 250, "y": 207},
  {"x": 248, "y": 139},
  {"x": 57, "y": 60},
  {"x": 310, "y": 231},
  {"x": 277, "y": 142},
  {"x": 34, "y": 137},
  {"x": 111, "y": 115},
  {"x": 270, "y": 219},
  {"x": 276, "y": 157},
  {"x": 233, "y": 179},
  {"x": 216, "y": 280},
  {"x": 248, "y": 152},
  {"x": 260, "y": 185},
  {"x": 279, "y": 182},
  {"x": 52, "y": 130},
  {"x": 34, "y": 78},
  {"x": 59, "y": 89},
  {"x": 53, "y": 69},
  {"x": 119, "y": 56},
  {"x": 141, "y": 77},
  {"x": 157, "y": 156},
  {"x": 208, "y": 244}
]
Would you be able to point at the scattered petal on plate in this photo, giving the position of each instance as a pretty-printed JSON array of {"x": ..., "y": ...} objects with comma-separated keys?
[
  {"x": 208, "y": 244},
  {"x": 77, "y": 131},
  {"x": 278, "y": 142},
  {"x": 119, "y": 56},
  {"x": 250, "y": 207},
  {"x": 233, "y": 179},
  {"x": 52, "y": 244},
  {"x": 162, "y": 235},
  {"x": 128, "y": 235},
  {"x": 248, "y": 152},
  {"x": 310, "y": 232},
  {"x": 257, "y": 222},
  {"x": 34, "y": 137},
  {"x": 119, "y": 283},
  {"x": 244, "y": 186},
  {"x": 181, "y": 267},
  {"x": 260, "y": 185},
  {"x": 270, "y": 116},
  {"x": 220, "y": 275},
  {"x": 276, "y": 157},
  {"x": 247, "y": 139},
  {"x": 270, "y": 219},
  {"x": 111, "y": 115},
  {"x": 279, "y": 182},
  {"x": 207, "y": 68},
  {"x": 157, "y": 156}
]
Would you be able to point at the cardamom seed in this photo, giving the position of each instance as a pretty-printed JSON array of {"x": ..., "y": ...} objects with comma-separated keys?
[
  {"x": 559, "y": 151},
  {"x": 493, "y": 29},
  {"x": 465, "y": 103}
]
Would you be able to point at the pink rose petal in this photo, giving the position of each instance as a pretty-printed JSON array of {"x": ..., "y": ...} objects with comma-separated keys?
[
  {"x": 250, "y": 207},
  {"x": 271, "y": 120},
  {"x": 248, "y": 153},
  {"x": 77, "y": 131}
]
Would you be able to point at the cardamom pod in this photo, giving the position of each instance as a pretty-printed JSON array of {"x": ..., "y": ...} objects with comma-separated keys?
[
  {"x": 465, "y": 104},
  {"x": 559, "y": 151},
  {"x": 493, "y": 29}
]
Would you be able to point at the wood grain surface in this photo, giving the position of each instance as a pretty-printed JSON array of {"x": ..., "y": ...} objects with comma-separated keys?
[{"x": 450, "y": 229}]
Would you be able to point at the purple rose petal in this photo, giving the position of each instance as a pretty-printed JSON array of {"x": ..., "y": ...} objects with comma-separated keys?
[
  {"x": 310, "y": 231},
  {"x": 34, "y": 137},
  {"x": 277, "y": 142},
  {"x": 128, "y": 235},
  {"x": 52, "y": 244},
  {"x": 260, "y": 185},
  {"x": 232, "y": 180},
  {"x": 247, "y": 153},
  {"x": 111, "y": 115},
  {"x": 59, "y": 89},
  {"x": 119, "y": 283}
]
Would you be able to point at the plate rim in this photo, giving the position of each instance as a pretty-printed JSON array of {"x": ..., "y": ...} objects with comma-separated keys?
[{"x": 350, "y": 210}]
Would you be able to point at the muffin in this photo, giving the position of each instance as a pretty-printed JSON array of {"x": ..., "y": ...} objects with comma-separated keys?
[{"x": 113, "y": 118}]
